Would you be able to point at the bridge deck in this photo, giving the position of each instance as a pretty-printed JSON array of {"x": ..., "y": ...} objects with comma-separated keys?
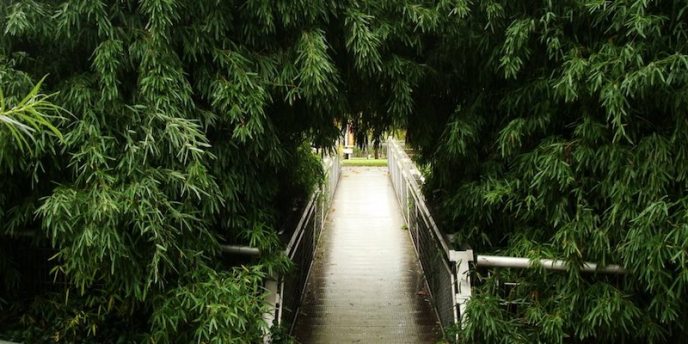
[{"x": 366, "y": 285}]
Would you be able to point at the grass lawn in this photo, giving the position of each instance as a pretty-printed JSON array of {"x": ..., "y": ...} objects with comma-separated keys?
[{"x": 364, "y": 162}]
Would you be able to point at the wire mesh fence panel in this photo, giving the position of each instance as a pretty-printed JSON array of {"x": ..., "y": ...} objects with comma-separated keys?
[
  {"x": 432, "y": 251},
  {"x": 438, "y": 273},
  {"x": 302, "y": 246},
  {"x": 413, "y": 222},
  {"x": 318, "y": 219},
  {"x": 446, "y": 296}
]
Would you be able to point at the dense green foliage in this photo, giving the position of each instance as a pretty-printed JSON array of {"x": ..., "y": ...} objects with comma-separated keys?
[
  {"x": 551, "y": 129},
  {"x": 565, "y": 135},
  {"x": 183, "y": 134},
  {"x": 31, "y": 114},
  {"x": 188, "y": 126}
]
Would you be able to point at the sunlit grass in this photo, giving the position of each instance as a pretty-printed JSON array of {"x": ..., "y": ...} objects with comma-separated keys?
[{"x": 365, "y": 162}]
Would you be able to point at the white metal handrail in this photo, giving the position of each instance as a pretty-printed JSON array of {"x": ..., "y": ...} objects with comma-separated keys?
[
  {"x": 463, "y": 269},
  {"x": 407, "y": 182},
  {"x": 547, "y": 264},
  {"x": 431, "y": 248},
  {"x": 301, "y": 249},
  {"x": 410, "y": 173}
]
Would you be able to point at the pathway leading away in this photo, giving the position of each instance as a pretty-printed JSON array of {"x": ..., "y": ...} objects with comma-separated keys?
[{"x": 366, "y": 285}]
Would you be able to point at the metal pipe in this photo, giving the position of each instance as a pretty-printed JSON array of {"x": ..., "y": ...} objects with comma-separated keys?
[
  {"x": 241, "y": 250},
  {"x": 302, "y": 222},
  {"x": 549, "y": 264}
]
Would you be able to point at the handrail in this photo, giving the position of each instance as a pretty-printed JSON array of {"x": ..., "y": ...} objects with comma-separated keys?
[
  {"x": 300, "y": 226},
  {"x": 431, "y": 248},
  {"x": 464, "y": 258},
  {"x": 407, "y": 180},
  {"x": 239, "y": 249},
  {"x": 288, "y": 289},
  {"x": 331, "y": 167},
  {"x": 413, "y": 177},
  {"x": 548, "y": 264}
]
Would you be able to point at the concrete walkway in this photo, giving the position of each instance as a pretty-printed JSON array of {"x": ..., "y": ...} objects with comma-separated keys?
[{"x": 366, "y": 285}]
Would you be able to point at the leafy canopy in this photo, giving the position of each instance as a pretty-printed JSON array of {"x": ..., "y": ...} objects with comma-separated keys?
[{"x": 551, "y": 129}]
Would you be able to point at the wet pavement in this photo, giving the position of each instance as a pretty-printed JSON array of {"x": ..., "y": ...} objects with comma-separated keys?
[{"x": 366, "y": 285}]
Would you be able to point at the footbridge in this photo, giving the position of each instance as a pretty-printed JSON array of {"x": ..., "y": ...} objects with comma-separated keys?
[{"x": 371, "y": 264}]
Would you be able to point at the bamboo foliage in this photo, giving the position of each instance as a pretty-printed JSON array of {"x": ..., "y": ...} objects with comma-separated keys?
[
  {"x": 31, "y": 114},
  {"x": 563, "y": 137},
  {"x": 189, "y": 129},
  {"x": 549, "y": 129}
]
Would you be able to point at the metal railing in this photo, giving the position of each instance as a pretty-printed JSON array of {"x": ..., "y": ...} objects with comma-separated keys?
[
  {"x": 464, "y": 258},
  {"x": 448, "y": 272},
  {"x": 290, "y": 288},
  {"x": 431, "y": 248}
]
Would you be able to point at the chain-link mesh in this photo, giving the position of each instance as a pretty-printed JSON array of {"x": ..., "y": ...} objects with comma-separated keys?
[{"x": 431, "y": 249}]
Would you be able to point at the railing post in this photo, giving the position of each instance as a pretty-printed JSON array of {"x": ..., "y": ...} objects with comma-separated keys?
[
  {"x": 463, "y": 285},
  {"x": 273, "y": 299}
]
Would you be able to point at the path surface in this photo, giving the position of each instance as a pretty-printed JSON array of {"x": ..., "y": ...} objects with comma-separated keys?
[{"x": 365, "y": 282}]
